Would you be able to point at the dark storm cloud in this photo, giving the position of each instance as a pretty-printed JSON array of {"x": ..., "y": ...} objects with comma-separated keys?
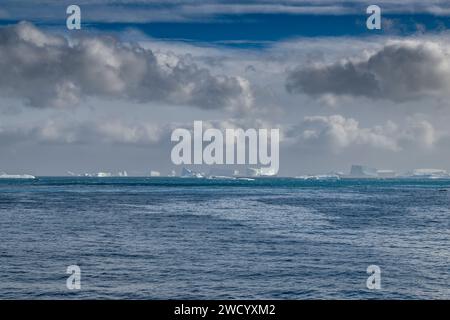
[{"x": 399, "y": 72}]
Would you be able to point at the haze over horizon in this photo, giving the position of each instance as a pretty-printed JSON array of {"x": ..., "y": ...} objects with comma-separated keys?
[{"x": 107, "y": 97}]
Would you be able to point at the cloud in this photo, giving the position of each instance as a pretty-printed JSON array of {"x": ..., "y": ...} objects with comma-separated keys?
[
  {"x": 60, "y": 131},
  {"x": 141, "y": 11},
  {"x": 400, "y": 71},
  {"x": 420, "y": 132},
  {"x": 51, "y": 71},
  {"x": 337, "y": 133},
  {"x": 63, "y": 130},
  {"x": 334, "y": 133},
  {"x": 264, "y": 8}
]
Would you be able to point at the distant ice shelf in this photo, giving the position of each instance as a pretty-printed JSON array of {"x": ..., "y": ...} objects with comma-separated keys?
[{"x": 16, "y": 176}]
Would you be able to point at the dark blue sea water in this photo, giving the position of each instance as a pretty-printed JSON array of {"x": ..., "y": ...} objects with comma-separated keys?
[{"x": 167, "y": 238}]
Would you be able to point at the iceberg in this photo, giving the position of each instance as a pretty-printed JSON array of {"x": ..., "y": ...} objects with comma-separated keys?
[
  {"x": 104, "y": 175},
  {"x": 186, "y": 173},
  {"x": 358, "y": 171},
  {"x": 16, "y": 176},
  {"x": 386, "y": 174},
  {"x": 246, "y": 179},
  {"x": 154, "y": 173},
  {"x": 428, "y": 174},
  {"x": 321, "y": 177},
  {"x": 261, "y": 172}
]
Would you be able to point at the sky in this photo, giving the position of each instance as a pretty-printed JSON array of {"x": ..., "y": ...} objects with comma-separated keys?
[{"x": 107, "y": 97}]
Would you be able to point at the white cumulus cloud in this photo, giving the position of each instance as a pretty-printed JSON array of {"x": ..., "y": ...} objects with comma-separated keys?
[{"x": 337, "y": 133}]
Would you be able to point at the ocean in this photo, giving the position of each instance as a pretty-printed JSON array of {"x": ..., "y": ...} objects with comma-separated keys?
[{"x": 181, "y": 238}]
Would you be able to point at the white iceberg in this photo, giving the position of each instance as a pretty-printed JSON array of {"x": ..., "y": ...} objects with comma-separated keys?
[
  {"x": 386, "y": 174},
  {"x": 154, "y": 173},
  {"x": 320, "y": 177},
  {"x": 4, "y": 175},
  {"x": 261, "y": 172},
  {"x": 104, "y": 175},
  {"x": 428, "y": 174},
  {"x": 186, "y": 173}
]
